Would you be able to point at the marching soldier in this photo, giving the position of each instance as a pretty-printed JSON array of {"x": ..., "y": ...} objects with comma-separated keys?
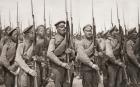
[
  {"x": 24, "y": 59},
  {"x": 39, "y": 49},
  {"x": 8, "y": 56},
  {"x": 57, "y": 55},
  {"x": 133, "y": 64},
  {"x": 110, "y": 48},
  {"x": 41, "y": 52},
  {"x": 85, "y": 55}
]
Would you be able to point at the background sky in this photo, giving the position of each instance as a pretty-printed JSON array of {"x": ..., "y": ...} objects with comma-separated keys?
[{"x": 81, "y": 11}]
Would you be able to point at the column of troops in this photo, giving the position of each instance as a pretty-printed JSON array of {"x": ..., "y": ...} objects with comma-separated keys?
[{"x": 45, "y": 65}]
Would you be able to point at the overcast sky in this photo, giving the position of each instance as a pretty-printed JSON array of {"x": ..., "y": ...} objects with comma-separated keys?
[{"x": 81, "y": 10}]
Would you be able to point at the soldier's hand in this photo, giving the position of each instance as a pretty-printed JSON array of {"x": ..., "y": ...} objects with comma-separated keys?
[
  {"x": 43, "y": 64},
  {"x": 96, "y": 53},
  {"x": 138, "y": 65},
  {"x": 68, "y": 51},
  {"x": 122, "y": 65},
  {"x": 34, "y": 58},
  {"x": 100, "y": 53},
  {"x": 32, "y": 72},
  {"x": 94, "y": 66},
  {"x": 65, "y": 65}
]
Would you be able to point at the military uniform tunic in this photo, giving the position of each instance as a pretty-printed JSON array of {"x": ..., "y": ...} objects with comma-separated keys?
[
  {"x": 86, "y": 56},
  {"x": 23, "y": 58},
  {"x": 7, "y": 60}
]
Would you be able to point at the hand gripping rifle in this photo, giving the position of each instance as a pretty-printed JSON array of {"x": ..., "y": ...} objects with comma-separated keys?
[{"x": 34, "y": 44}]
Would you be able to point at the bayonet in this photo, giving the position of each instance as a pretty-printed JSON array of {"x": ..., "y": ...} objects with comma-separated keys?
[
  {"x": 17, "y": 16},
  {"x": 0, "y": 22},
  {"x": 71, "y": 19},
  {"x": 111, "y": 18},
  {"x": 9, "y": 18},
  {"x": 45, "y": 14},
  {"x": 138, "y": 22},
  {"x": 124, "y": 23}
]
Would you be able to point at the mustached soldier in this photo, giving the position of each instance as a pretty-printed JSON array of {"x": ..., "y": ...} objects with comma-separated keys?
[
  {"x": 85, "y": 54},
  {"x": 24, "y": 59},
  {"x": 57, "y": 55},
  {"x": 133, "y": 64},
  {"x": 110, "y": 48}
]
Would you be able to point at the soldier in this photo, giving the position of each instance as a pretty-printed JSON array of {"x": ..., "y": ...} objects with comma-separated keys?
[
  {"x": 8, "y": 56},
  {"x": 111, "y": 55},
  {"x": 57, "y": 55},
  {"x": 25, "y": 60},
  {"x": 41, "y": 52},
  {"x": 85, "y": 55},
  {"x": 132, "y": 60}
]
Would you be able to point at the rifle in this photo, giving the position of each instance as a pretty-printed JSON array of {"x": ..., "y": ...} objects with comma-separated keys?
[
  {"x": 34, "y": 44},
  {"x": 16, "y": 77},
  {"x": 122, "y": 45},
  {"x": 94, "y": 39},
  {"x": 68, "y": 80}
]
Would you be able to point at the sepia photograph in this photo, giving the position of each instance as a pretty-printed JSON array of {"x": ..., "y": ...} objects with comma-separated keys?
[{"x": 69, "y": 43}]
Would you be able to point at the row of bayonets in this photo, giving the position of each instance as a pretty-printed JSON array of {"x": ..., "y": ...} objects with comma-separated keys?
[{"x": 19, "y": 24}]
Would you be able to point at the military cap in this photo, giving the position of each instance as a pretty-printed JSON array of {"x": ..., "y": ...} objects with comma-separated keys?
[
  {"x": 28, "y": 29},
  {"x": 106, "y": 33},
  {"x": 11, "y": 31},
  {"x": 59, "y": 23},
  {"x": 7, "y": 29},
  {"x": 132, "y": 31},
  {"x": 39, "y": 27},
  {"x": 88, "y": 25},
  {"x": 48, "y": 28},
  {"x": 114, "y": 28}
]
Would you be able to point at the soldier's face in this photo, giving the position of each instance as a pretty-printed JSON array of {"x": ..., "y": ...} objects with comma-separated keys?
[
  {"x": 8, "y": 30},
  {"x": 41, "y": 31},
  {"x": 48, "y": 31},
  {"x": 88, "y": 32},
  {"x": 15, "y": 35},
  {"x": 61, "y": 29},
  {"x": 31, "y": 35}
]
